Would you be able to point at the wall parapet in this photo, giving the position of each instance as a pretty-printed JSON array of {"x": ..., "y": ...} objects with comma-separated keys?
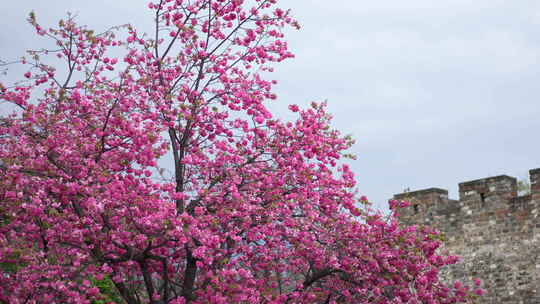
[{"x": 490, "y": 193}]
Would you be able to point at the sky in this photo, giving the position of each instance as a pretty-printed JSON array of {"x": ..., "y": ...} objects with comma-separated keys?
[{"x": 434, "y": 92}]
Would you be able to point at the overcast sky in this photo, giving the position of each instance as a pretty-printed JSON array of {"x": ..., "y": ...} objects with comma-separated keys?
[{"x": 434, "y": 92}]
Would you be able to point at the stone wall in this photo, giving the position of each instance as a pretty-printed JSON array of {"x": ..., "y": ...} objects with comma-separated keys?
[{"x": 495, "y": 231}]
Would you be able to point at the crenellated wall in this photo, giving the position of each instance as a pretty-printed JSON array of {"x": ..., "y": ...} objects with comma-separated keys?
[{"x": 495, "y": 231}]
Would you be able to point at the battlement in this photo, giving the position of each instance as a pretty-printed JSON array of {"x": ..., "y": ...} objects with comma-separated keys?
[
  {"x": 425, "y": 193},
  {"x": 495, "y": 231},
  {"x": 534, "y": 177},
  {"x": 487, "y": 193},
  {"x": 423, "y": 202}
]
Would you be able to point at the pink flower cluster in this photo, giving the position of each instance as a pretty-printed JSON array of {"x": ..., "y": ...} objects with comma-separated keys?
[{"x": 252, "y": 210}]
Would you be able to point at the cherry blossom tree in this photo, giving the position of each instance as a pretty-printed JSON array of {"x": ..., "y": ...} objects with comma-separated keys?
[{"x": 255, "y": 210}]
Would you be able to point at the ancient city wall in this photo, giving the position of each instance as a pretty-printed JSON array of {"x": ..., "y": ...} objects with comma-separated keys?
[{"x": 495, "y": 231}]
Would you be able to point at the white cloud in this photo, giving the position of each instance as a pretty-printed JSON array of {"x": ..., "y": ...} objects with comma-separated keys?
[{"x": 434, "y": 91}]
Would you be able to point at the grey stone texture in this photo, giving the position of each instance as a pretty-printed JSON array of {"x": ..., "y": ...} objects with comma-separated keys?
[{"x": 494, "y": 231}]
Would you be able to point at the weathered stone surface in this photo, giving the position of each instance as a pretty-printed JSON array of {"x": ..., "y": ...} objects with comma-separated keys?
[{"x": 495, "y": 231}]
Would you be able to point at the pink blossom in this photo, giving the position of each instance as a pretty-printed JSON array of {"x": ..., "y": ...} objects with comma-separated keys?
[{"x": 249, "y": 209}]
